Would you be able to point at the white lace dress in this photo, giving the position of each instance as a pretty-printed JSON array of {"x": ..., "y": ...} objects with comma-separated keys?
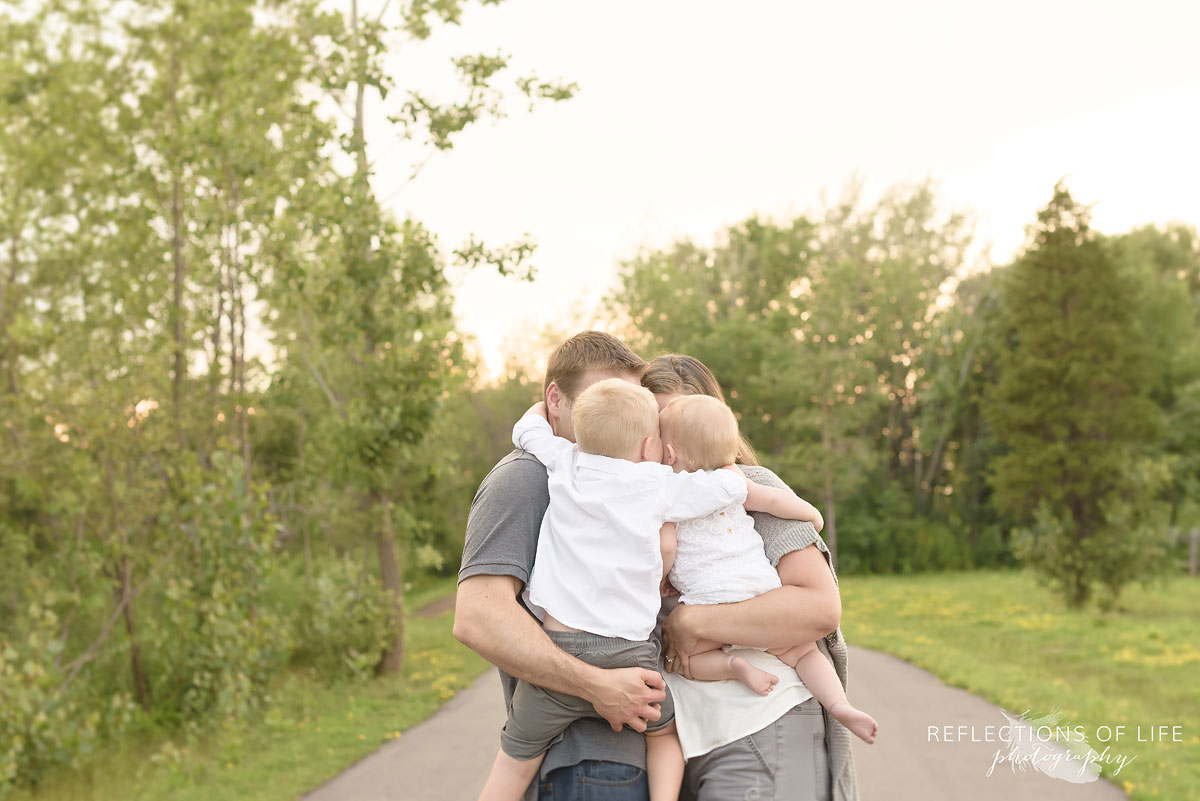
[{"x": 719, "y": 559}]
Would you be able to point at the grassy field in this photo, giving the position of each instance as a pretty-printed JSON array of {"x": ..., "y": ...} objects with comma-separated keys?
[
  {"x": 996, "y": 634},
  {"x": 310, "y": 733},
  {"x": 1001, "y": 636}
]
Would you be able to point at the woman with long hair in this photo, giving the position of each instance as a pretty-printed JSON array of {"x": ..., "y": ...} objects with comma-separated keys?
[{"x": 743, "y": 743}]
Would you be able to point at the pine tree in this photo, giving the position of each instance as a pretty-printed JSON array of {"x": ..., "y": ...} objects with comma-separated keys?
[{"x": 1072, "y": 406}]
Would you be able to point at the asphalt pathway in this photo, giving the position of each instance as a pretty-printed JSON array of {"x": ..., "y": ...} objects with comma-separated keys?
[{"x": 447, "y": 757}]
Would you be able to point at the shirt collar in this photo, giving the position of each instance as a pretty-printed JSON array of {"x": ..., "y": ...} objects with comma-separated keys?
[{"x": 604, "y": 464}]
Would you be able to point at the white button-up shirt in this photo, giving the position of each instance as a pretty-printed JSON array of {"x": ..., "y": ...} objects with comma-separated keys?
[{"x": 599, "y": 564}]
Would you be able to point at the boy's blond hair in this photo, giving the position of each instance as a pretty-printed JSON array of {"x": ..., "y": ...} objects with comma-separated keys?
[
  {"x": 702, "y": 430},
  {"x": 613, "y": 416}
]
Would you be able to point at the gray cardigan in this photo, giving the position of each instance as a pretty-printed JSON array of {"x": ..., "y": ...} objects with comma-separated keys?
[{"x": 781, "y": 537}]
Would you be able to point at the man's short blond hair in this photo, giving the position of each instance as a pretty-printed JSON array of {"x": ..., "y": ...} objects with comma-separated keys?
[
  {"x": 613, "y": 416},
  {"x": 702, "y": 430},
  {"x": 589, "y": 350}
]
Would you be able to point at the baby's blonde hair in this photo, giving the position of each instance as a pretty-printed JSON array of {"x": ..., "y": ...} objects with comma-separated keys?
[
  {"x": 702, "y": 430},
  {"x": 676, "y": 374},
  {"x": 613, "y": 416}
]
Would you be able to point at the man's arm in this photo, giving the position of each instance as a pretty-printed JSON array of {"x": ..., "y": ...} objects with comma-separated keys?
[{"x": 489, "y": 620}]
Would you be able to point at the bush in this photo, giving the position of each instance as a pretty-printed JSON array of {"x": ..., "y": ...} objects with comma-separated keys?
[
  {"x": 879, "y": 532},
  {"x": 1127, "y": 545},
  {"x": 341, "y": 624},
  {"x": 43, "y": 725}
]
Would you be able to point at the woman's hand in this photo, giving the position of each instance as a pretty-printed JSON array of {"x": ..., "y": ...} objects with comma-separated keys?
[{"x": 681, "y": 636}]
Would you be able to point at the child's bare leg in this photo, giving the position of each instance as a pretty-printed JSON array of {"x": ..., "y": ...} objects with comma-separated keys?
[
  {"x": 510, "y": 777},
  {"x": 822, "y": 681},
  {"x": 713, "y": 664},
  {"x": 664, "y": 764}
]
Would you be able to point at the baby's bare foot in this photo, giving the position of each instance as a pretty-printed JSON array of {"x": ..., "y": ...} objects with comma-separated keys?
[
  {"x": 759, "y": 681},
  {"x": 857, "y": 721}
]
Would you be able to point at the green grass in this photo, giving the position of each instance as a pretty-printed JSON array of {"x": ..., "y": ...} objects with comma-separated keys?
[
  {"x": 1002, "y": 636},
  {"x": 309, "y": 733}
]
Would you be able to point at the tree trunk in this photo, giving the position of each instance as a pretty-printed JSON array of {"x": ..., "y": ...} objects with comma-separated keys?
[
  {"x": 125, "y": 596},
  {"x": 1194, "y": 552},
  {"x": 177, "y": 252},
  {"x": 389, "y": 565},
  {"x": 135, "y": 651}
]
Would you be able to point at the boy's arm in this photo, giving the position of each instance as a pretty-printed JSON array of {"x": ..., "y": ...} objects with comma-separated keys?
[
  {"x": 783, "y": 503},
  {"x": 533, "y": 433},
  {"x": 691, "y": 495}
]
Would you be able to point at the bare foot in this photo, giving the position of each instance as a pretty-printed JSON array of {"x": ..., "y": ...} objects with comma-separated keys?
[
  {"x": 857, "y": 721},
  {"x": 759, "y": 681}
]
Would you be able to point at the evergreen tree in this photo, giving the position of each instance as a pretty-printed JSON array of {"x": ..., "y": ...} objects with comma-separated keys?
[{"x": 1072, "y": 406}]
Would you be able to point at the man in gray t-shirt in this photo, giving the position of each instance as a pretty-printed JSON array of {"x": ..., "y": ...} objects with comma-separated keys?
[
  {"x": 501, "y": 541},
  {"x": 593, "y": 760},
  {"x": 502, "y": 534}
]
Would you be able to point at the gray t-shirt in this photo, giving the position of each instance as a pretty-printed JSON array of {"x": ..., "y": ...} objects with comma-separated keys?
[{"x": 501, "y": 540}]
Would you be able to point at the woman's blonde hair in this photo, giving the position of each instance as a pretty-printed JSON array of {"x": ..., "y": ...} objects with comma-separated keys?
[{"x": 676, "y": 374}]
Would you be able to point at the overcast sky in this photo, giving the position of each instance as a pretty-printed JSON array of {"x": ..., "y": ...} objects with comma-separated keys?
[{"x": 694, "y": 115}]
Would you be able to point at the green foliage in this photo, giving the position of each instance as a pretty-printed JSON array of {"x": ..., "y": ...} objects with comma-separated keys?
[
  {"x": 888, "y": 536},
  {"x": 341, "y": 622},
  {"x": 43, "y": 727},
  {"x": 175, "y": 176},
  {"x": 842, "y": 364},
  {"x": 1072, "y": 405},
  {"x": 235, "y": 644}
]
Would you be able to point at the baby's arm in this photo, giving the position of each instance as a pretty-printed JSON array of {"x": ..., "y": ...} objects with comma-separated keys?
[
  {"x": 667, "y": 543},
  {"x": 782, "y": 503},
  {"x": 533, "y": 433}
]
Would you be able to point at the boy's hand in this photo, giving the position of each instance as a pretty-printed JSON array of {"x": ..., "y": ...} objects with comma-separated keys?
[
  {"x": 539, "y": 409},
  {"x": 666, "y": 589},
  {"x": 624, "y": 696}
]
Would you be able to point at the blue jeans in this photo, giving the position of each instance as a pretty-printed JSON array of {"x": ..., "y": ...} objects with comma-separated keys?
[{"x": 591, "y": 780}]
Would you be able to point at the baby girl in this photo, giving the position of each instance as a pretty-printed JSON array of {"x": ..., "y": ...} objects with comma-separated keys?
[{"x": 719, "y": 557}]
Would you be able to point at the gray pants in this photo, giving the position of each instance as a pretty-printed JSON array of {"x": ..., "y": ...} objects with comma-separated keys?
[
  {"x": 539, "y": 717},
  {"x": 786, "y": 761}
]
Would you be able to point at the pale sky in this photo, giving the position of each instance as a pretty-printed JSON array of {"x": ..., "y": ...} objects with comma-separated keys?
[{"x": 694, "y": 115}]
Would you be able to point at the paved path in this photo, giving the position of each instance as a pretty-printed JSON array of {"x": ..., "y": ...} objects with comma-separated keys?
[{"x": 447, "y": 757}]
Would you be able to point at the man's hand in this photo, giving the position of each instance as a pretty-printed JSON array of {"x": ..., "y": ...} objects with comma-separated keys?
[
  {"x": 681, "y": 636},
  {"x": 624, "y": 695}
]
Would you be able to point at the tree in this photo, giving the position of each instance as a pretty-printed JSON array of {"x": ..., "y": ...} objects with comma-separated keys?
[
  {"x": 827, "y": 335},
  {"x": 379, "y": 306},
  {"x": 1072, "y": 407}
]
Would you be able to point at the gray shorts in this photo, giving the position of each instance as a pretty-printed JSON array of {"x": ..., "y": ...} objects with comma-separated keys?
[
  {"x": 786, "y": 761},
  {"x": 538, "y": 717}
]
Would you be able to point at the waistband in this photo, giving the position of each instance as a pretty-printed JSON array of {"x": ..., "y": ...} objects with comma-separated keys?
[{"x": 587, "y": 640}]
